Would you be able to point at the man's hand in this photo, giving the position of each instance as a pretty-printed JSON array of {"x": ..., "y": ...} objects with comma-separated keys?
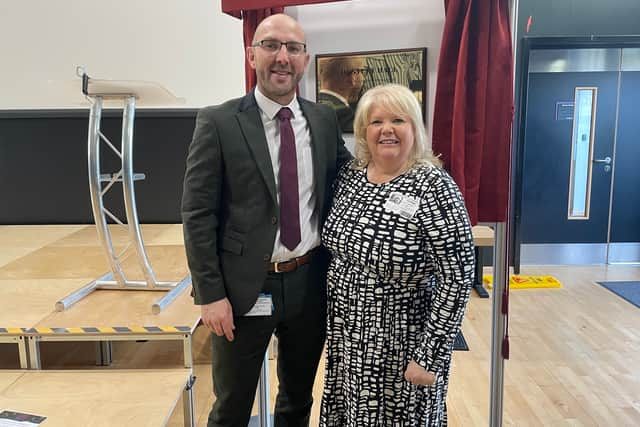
[
  {"x": 417, "y": 375},
  {"x": 218, "y": 316}
]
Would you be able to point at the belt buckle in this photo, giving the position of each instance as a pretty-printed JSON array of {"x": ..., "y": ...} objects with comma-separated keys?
[{"x": 275, "y": 267}]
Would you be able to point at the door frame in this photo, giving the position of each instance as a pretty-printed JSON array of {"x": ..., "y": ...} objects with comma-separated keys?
[{"x": 525, "y": 46}]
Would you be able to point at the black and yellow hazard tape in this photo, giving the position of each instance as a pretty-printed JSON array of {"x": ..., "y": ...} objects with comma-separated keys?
[{"x": 96, "y": 330}]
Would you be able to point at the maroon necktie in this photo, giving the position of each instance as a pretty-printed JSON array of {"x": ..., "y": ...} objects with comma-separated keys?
[{"x": 288, "y": 175}]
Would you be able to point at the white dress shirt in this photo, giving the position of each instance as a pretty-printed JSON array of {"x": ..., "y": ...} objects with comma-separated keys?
[{"x": 309, "y": 232}]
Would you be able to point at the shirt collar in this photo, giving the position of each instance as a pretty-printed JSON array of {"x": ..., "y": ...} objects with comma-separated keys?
[{"x": 271, "y": 108}]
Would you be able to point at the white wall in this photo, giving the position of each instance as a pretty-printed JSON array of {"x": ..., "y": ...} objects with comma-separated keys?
[
  {"x": 362, "y": 25},
  {"x": 190, "y": 47}
]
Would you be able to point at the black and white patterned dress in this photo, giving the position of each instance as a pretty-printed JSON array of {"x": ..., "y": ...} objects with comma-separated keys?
[{"x": 398, "y": 285}]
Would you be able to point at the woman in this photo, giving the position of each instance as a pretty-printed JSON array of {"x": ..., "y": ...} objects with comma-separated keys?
[{"x": 400, "y": 276}]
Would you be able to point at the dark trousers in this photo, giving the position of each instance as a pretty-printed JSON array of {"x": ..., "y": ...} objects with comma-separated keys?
[{"x": 299, "y": 322}]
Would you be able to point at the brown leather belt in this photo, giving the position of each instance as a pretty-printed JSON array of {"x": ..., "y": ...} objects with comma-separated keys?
[{"x": 290, "y": 265}]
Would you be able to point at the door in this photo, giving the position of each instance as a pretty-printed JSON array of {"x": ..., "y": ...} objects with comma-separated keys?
[
  {"x": 571, "y": 139},
  {"x": 625, "y": 210}
]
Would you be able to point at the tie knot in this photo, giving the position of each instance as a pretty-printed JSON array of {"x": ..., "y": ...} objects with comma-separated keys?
[{"x": 284, "y": 114}]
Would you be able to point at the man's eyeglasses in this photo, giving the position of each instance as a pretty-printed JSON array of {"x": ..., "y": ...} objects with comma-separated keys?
[
  {"x": 356, "y": 71},
  {"x": 273, "y": 46}
]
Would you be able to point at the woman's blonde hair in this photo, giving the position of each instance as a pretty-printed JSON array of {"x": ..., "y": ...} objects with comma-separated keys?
[{"x": 398, "y": 100}]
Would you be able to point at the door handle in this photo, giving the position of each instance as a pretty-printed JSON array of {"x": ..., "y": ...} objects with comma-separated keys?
[{"x": 606, "y": 160}]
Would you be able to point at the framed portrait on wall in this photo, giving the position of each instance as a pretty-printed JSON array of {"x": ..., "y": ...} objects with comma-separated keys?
[{"x": 342, "y": 78}]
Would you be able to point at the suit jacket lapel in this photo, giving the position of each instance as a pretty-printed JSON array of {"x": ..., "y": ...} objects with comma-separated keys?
[
  {"x": 253, "y": 131},
  {"x": 319, "y": 158}
]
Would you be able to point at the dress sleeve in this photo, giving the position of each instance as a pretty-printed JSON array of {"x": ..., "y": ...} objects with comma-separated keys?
[
  {"x": 339, "y": 183},
  {"x": 449, "y": 246}
]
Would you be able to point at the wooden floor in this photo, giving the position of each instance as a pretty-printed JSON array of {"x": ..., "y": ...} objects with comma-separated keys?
[{"x": 575, "y": 351}]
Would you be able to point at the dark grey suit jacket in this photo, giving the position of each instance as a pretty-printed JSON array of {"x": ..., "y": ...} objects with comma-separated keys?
[
  {"x": 344, "y": 112},
  {"x": 229, "y": 204}
]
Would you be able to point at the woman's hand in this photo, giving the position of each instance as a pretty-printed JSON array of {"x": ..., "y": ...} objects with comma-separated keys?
[{"x": 417, "y": 375}]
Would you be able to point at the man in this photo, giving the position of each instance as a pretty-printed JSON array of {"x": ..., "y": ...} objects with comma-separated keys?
[
  {"x": 252, "y": 213},
  {"x": 341, "y": 80}
]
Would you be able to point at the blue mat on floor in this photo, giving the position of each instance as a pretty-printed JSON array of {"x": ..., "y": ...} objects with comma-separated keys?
[
  {"x": 460, "y": 344},
  {"x": 629, "y": 291}
]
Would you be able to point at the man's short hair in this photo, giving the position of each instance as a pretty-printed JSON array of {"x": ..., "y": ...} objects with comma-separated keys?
[{"x": 334, "y": 70}]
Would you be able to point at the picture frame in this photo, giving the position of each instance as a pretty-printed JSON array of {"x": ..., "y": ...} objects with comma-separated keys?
[{"x": 342, "y": 78}]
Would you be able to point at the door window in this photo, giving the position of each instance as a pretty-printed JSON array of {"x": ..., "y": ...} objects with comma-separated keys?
[{"x": 581, "y": 152}]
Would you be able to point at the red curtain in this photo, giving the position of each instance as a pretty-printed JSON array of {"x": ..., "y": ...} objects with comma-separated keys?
[
  {"x": 232, "y": 6},
  {"x": 250, "y": 21},
  {"x": 474, "y": 104}
]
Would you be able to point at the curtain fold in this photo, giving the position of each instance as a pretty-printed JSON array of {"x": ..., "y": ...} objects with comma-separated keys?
[{"x": 474, "y": 104}]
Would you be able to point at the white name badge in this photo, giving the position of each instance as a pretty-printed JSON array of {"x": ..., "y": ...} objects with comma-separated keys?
[
  {"x": 262, "y": 307},
  {"x": 405, "y": 206}
]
